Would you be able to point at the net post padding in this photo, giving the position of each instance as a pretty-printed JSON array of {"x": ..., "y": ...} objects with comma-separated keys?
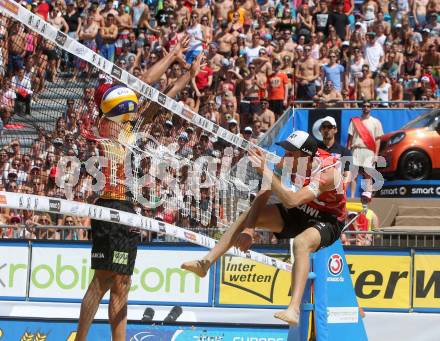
[{"x": 61, "y": 206}]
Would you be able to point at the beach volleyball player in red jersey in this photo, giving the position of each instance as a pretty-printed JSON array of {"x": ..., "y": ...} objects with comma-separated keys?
[{"x": 313, "y": 211}]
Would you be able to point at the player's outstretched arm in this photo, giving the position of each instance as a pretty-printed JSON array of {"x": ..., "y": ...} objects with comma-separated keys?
[{"x": 154, "y": 73}]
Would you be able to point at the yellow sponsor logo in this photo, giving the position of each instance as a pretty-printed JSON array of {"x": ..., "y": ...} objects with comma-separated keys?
[
  {"x": 426, "y": 290},
  {"x": 245, "y": 282},
  {"x": 381, "y": 281}
]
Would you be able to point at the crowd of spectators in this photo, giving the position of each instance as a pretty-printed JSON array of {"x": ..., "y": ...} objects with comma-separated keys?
[{"x": 261, "y": 57}]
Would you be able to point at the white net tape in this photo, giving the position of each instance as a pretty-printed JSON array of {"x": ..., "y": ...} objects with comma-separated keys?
[{"x": 60, "y": 206}]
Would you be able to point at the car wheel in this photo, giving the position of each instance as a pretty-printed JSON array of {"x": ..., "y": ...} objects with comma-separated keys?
[{"x": 414, "y": 165}]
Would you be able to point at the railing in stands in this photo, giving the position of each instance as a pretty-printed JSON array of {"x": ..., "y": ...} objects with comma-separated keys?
[
  {"x": 381, "y": 104},
  {"x": 377, "y": 238}
]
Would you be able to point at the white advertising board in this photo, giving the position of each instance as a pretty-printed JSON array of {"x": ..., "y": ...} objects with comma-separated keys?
[
  {"x": 63, "y": 273},
  {"x": 13, "y": 270}
]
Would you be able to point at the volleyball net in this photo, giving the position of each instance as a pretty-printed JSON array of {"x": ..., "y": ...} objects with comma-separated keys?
[{"x": 180, "y": 167}]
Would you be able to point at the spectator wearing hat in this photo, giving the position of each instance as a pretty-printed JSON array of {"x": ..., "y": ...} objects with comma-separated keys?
[
  {"x": 233, "y": 126},
  {"x": 278, "y": 89},
  {"x": 247, "y": 134},
  {"x": 359, "y": 25},
  {"x": 205, "y": 145},
  {"x": 421, "y": 89},
  {"x": 306, "y": 73},
  {"x": 426, "y": 39},
  {"x": 183, "y": 149},
  {"x": 15, "y": 173},
  {"x": 374, "y": 53}
]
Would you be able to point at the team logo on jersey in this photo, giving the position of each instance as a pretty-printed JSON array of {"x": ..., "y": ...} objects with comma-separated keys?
[{"x": 335, "y": 264}]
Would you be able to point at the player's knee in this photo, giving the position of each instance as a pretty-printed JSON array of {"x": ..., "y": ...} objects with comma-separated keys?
[
  {"x": 304, "y": 243},
  {"x": 121, "y": 285}
]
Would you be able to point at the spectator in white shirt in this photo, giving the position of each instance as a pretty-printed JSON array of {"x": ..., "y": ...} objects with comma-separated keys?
[
  {"x": 23, "y": 88},
  {"x": 374, "y": 54}
]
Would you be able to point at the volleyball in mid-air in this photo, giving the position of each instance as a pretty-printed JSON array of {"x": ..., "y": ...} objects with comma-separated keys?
[{"x": 119, "y": 104}]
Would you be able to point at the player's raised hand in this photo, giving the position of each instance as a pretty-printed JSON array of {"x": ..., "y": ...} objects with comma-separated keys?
[
  {"x": 197, "y": 65},
  {"x": 181, "y": 46},
  {"x": 258, "y": 159}
]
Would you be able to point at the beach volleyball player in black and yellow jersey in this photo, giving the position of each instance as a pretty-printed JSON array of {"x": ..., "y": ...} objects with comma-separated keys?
[{"x": 115, "y": 246}]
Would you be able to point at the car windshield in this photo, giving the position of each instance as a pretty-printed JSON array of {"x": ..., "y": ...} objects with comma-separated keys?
[{"x": 423, "y": 120}]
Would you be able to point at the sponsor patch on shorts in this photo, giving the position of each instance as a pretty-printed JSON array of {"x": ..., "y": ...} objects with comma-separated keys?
[{"x": 120, "y": 257}]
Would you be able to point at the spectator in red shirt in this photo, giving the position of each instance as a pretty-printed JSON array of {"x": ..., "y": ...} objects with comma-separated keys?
[
  {"x": 43, "y": 9},
  {"x": 278, "y": 89},
  {"x": 203, "y": 79}
]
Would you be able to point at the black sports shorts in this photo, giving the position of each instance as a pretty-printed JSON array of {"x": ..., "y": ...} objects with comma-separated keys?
[
  {"x": 114, "y": 246},
  {"x": 297, "y": 220}
]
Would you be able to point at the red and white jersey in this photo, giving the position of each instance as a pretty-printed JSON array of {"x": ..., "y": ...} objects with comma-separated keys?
[
  {"x": 330, "y": 202},
  {"x": 333, "y": 201}
]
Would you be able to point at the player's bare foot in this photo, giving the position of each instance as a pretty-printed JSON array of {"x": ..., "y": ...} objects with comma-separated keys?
[
  {"x": 291, "y": 316},
  {"x": 199, "y": 267}
]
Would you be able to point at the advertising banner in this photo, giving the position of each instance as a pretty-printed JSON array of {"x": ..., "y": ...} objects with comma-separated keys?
[
  {"x": 426, "y": 291},
  {"x": 242, "y": 282},
  {"x": 410, "y": 189},
  {"x": 13, "y": 270},
  {"x": 63, "y": 273},
  {"x": 66, "y": 331},
  {"x": 381, "y": 279}
]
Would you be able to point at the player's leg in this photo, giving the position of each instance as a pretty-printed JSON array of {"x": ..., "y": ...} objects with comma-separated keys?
[
  {"x": 305, "y": 243},
  {"x": 102, "y": 281},
  {"x": 117, "y": 308},
  {"x": 257, "y": 215}
]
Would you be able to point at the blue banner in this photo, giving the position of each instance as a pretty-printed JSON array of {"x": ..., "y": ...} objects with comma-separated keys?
[
  {"x": 16, "y": 330},
  {"x": 391, "y": 119}
]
